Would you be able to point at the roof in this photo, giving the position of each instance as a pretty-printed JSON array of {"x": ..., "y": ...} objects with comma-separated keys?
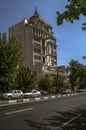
[{"x": 37, "y": 16}]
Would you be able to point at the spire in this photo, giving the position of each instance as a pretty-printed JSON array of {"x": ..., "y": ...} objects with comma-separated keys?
[{"x": 36, "y": 12}]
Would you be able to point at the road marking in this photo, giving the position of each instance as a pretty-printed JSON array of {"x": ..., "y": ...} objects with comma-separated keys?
[
  {"x": 74, "y": 118},
  {"x": 22, "y": 110}
]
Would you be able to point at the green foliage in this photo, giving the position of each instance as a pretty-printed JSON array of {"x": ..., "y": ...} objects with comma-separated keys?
[
  {"x": 45, "y": 83},
  {"x": 60, "y": 19},
  {"x": 58, "y": 83},
  {"x": 25, "y": 79},
  {"x": 74, "y": 73},
  {"x": 10, "y": 56},
  {"x": 74, "y": 9},
  {"x": 82, "y": 77},
  {"x": 10, "y": 59},
  {"x": 77, "y": 73}
]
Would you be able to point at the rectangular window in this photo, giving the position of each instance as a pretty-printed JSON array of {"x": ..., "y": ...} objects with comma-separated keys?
[
  {"x": 43, "y": 60},
  {"x": 36, "y": 39},
  {"x": 54, "y": 47}
]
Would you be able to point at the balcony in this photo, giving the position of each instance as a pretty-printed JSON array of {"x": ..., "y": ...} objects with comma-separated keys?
[{"x": 49, "y": 69}]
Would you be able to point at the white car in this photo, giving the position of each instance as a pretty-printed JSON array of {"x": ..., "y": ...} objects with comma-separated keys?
[
  {"x": 13, "y": 94},
  {"x": 32, "y": 93},
  {"x": 68, "y": 91}
]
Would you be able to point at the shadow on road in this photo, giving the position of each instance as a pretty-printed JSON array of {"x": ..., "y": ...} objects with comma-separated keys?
[{"x": 72, "y": 120}]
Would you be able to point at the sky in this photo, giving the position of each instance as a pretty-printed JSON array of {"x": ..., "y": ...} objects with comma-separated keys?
[{"x": 71, "y": 39}]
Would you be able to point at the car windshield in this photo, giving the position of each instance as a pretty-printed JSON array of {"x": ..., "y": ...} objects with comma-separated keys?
[{"x": 11, "y": 91}]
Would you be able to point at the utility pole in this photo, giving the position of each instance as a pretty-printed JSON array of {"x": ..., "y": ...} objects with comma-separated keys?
[
  {"x": 83, "y": 57},
  {"x": 57, "y": 83}
]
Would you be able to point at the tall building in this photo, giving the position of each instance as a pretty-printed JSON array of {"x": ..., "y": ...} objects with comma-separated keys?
[{"x": 39, "y": 44}]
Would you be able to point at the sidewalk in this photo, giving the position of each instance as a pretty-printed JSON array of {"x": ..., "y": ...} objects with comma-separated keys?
[{"x": 47, "y": 97}]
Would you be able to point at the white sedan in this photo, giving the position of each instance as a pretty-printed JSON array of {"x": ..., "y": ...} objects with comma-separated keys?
[
  {"x": 66, "y": 91},
  {"x": 32, "y": 93}
]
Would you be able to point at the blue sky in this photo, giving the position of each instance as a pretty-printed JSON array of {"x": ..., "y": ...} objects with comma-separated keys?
[{"x": 71, "y": 40}]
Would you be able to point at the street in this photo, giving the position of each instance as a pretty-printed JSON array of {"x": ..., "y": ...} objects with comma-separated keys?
[{"x": 68, "y": 113}]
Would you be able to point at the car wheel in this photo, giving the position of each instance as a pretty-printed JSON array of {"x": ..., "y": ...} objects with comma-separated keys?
[
  {"x": 21, "y": 97},
  {"x": 9, "y": 98},
  {"x": 31, "y": 96}
]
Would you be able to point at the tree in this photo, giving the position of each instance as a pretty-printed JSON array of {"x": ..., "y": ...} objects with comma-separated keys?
[
  {"x": 58, "y": 83},
  {"x": 77, "y": 75},
  {"x": 82, "y": 77},
  {"x": 45, "y": 83},
  {"x": 74, "y": 71},
  {"x": 25, "y": 80},
  {"x": 74, "y": 9},
  {"x": 10, "y": 60}
]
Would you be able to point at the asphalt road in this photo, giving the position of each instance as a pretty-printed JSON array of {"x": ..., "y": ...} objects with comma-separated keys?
[{"x": 67, "y": 113}]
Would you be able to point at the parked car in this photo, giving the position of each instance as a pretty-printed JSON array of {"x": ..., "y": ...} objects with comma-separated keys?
[
  {"x": 13, "y": 94},
  {"x": 43, "y": 92},
  {"x": 32, "y": 93},
  {"x": 67, "y": 91},
  {"x": 81, "y": 90}
]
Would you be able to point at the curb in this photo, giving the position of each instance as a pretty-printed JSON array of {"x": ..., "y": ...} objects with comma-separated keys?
[{"x": 50, "y": 97}]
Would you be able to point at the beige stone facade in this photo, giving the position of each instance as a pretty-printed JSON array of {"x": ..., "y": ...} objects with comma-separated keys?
[{"x": 39, "y": 44}]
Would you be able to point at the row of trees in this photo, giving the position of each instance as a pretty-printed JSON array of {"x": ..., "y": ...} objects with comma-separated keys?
[
  {"x": 10, "y": 60},
  {"x": 12, "y": 73},
  {"x": 14, "y": 76}
]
